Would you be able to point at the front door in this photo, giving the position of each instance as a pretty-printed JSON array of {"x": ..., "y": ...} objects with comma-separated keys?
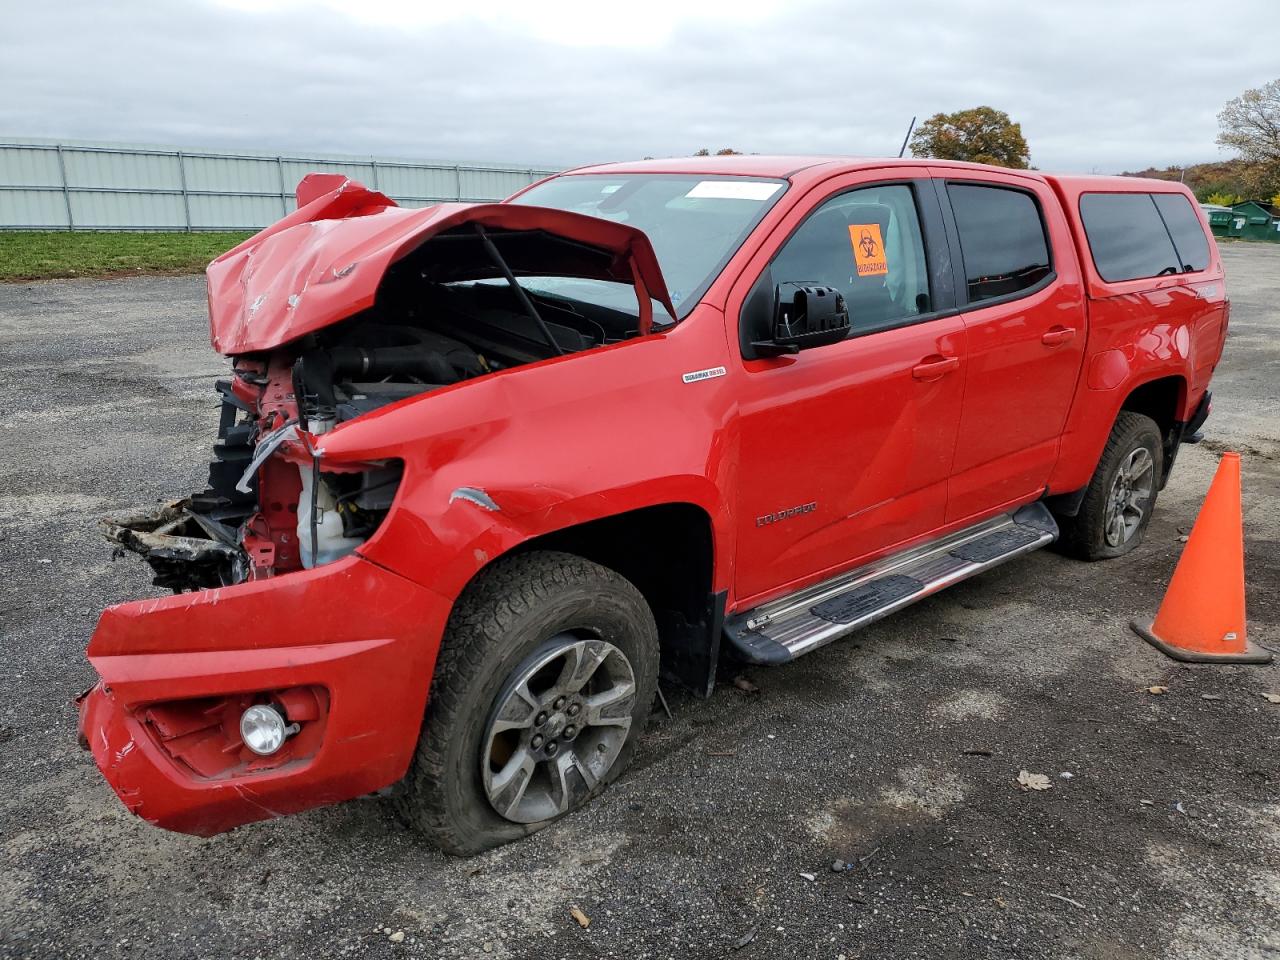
[{"x": 846, "y": 449}]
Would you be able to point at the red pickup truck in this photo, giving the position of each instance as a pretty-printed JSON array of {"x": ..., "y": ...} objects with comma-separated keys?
[{"x": 485, "y": 471}]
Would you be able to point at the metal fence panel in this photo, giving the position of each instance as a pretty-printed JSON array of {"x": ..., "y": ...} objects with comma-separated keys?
[
  {"x": 50, "y": 185},
  {"x": 102, "y": 210},
  {"x": 140, "y": 171},
  {"x": 403, "y": 183},
  {"x": 210, "y": 212},
  {"x": 46, "y": 207},
  {"x": 30, "y": 167},
  {"x": 481, "y": 184},
  {"x": 291, "y": 171},
  {"x": 231, "y": 174}
]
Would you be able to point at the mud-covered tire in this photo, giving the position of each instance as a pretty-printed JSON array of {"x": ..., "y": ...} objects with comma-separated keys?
[
  {"x": 506, "y": 616},
  {"x": 1085, "y": 536}
]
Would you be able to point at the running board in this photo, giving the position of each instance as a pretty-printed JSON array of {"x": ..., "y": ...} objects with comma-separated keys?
[{"x": 791, "y": 626}]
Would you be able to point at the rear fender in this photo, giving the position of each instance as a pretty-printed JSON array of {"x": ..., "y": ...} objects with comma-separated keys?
[{"x": 1095, "y": 412}]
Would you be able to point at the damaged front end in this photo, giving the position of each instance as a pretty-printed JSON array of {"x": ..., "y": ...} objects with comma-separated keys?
[
  {"x": 346, "y": 306},
  {"x": 342, "y": 310},
  {"x": 268, "y": 507},
  {"x": 185, "y": 546}
]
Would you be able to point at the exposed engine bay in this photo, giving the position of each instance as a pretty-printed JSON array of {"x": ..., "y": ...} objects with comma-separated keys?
[{"x": 270, "y": 505}]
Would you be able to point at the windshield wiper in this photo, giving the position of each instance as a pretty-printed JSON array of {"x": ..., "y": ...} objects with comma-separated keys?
[{"x": 523, "y": 297}]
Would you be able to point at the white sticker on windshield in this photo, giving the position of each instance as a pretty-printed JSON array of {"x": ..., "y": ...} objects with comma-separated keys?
[{"x": 734, "y": 190}]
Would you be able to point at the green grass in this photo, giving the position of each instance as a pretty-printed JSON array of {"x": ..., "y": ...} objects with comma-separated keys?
[{"x": 31, "y": 255}]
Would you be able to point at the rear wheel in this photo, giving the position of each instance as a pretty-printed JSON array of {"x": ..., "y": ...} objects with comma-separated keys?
[
  {"x": 1122, "y": 494},
  {"x": 544, "y": 681}
]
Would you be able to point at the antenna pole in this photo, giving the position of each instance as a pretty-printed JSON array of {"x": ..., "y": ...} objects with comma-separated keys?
[{"x": 907, "y": 137}]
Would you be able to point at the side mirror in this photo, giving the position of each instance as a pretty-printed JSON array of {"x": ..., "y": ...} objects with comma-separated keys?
[{"x": 804, "y": 316}]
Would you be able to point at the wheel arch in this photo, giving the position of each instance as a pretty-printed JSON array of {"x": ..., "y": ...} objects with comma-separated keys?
[
  {"x": 667, "y": 551},
  {"x": 1162, "y": 397}
]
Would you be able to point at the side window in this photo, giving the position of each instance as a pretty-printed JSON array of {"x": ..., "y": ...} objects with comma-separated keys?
[
  {"x": 1002, "y": 239},
  {"x": 1185, "y": 229},
  {"x": 1127, "y": 237},
  {"x": 868, "y": 245}
]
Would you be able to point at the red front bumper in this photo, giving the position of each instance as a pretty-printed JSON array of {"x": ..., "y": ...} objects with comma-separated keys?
[{"x": 364, "y": 635}]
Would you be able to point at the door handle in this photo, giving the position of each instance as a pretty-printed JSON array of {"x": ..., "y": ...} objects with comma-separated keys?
[
  {"x": 1056, "y": 335},
  {"x": 931, "y": 368}
]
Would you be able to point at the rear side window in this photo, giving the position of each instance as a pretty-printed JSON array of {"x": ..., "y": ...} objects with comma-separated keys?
[
  {"x": 1128, "y": 237},
  {"x": 1002, "y": 240},
  {"x": 1185, "y": 229}
]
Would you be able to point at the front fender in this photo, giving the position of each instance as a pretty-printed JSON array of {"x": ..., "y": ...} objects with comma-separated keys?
[
  {"x": 442, "y": 539},
  {"x": 495, "y": 462}
]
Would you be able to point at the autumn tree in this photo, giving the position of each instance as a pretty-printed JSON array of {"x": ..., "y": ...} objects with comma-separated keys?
[
  {"x": 980, "y": 135},
  {"x": 1250, "y": 125}
]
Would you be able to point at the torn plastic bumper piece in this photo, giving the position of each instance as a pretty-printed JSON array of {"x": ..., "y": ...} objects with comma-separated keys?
[
  {"x": 364, "y": 636},
  {"x": 186, "y": 549}
]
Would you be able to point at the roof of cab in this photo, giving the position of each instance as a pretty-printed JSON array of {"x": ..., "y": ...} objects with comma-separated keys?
[
  {"x": 782, "y": 167},
  {"x": 737, "y": 165},
  {"x": 785, "y": 167},
  {"x": 1071, "y": 186},
  {"x": 788, "y": 167}
]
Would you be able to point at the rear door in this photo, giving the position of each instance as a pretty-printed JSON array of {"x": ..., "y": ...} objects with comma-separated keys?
[{"x": 1022, "y": 302}]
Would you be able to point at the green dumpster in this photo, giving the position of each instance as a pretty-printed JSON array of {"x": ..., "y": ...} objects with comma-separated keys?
[
  {"x": 1219, "y": 219},
  {"x": 1254, "y": 220}
]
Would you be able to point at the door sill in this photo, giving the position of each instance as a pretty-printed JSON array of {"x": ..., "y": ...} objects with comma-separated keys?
[{"x": 796, "y": 624}]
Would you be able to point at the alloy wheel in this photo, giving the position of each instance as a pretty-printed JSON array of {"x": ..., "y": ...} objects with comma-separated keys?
[
  {"x": 557, "y": 728},
  {"x": 1129, "y": 497}
]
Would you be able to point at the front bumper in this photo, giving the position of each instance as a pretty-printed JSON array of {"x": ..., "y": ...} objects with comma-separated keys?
[{"x": 365, "y": 636}]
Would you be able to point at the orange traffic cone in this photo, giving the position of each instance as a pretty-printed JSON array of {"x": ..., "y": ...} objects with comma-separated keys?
[{"x": 1202, "y": 617}]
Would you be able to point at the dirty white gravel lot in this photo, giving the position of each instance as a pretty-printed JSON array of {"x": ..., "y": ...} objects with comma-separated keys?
[{"x": 857, "y": 752}]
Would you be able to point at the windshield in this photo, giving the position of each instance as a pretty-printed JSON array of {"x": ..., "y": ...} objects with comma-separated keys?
[{"x": 695, "y": 224}]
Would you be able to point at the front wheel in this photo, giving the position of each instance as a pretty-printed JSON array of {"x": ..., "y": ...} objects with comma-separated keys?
[
  {"x": 545, "y": 678},
  {"x": 1122, "y": 494}
]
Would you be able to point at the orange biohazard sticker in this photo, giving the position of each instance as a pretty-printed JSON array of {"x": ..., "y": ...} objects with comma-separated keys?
[{"x": 868, "y": 249}]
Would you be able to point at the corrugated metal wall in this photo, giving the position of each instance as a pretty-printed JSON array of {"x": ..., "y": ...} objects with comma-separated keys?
[{"x": 73, "y": 185}]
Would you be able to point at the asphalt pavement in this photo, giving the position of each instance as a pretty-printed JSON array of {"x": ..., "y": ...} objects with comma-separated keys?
[{"x": 896, "y": 752}]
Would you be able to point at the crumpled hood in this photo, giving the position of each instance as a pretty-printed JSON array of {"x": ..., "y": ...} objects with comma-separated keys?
[{"x": 324, "y": 262}]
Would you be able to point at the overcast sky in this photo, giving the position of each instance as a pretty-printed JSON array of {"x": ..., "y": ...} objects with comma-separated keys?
[{"x": 1102, "y": 86}]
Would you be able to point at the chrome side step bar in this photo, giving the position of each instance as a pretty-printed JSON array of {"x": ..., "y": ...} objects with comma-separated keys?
[{"x": 783, "y": 629}]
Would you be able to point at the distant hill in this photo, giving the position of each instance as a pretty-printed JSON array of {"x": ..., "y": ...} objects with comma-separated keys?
[{"x": 1223, "y": 179}]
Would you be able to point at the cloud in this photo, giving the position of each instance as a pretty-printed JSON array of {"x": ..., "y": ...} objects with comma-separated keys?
[{"x": 1097, "y": 85}]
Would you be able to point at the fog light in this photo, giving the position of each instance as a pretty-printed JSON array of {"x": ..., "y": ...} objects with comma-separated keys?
[{"x": 263, "y": 729}]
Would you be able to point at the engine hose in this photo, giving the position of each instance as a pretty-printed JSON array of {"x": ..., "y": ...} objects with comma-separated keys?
[{"x": 318, "y": 370}]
